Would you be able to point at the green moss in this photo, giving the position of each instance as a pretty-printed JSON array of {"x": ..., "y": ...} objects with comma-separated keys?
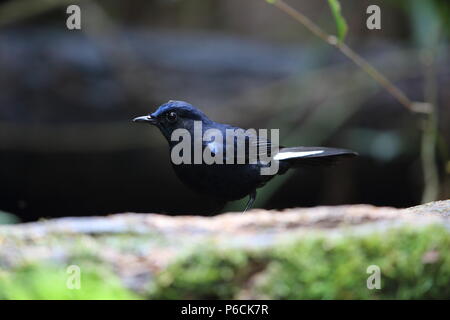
[
  {"x": 317, "y": 267},
  {"x": 414, "y": 263},
  {"x": 325, "y": 269},
  {"x": 42, "y": 282},
  {"x": 210, "y": 275}
]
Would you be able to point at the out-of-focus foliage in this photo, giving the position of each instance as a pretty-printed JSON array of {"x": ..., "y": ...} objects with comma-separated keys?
[
  {"x": 427, "y": 23},
  {"x": 442, "y": 7},
  {"x": 48, "y": 282},
  {"x": 8, "y": 218},
  {"x": 439, "y": 8}
]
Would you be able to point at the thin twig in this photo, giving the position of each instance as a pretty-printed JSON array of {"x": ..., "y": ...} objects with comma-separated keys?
[
  {"x": 430, "y": 131},
  {"x": 352, "y": 55}
]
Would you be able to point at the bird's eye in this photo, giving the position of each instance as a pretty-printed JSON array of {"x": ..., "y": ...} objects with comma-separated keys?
[{"x": 172, "y": 117}]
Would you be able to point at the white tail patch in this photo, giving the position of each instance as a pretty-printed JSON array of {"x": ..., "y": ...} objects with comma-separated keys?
[{"x": 299, "y": 154}]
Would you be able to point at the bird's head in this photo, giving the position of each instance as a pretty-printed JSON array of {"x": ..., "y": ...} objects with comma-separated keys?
[{"x": 174, "y": 115}]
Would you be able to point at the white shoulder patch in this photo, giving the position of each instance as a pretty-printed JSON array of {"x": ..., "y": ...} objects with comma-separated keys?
[
  {"x": 299, "y": 154},
  {"x": 215, "y": 147}
]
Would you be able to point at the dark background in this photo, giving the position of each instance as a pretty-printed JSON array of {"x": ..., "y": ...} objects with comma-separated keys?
[{"x": 67, "y": 146}]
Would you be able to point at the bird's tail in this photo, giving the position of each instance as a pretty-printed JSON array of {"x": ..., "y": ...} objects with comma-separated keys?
[{"x": 300, "y": 156}]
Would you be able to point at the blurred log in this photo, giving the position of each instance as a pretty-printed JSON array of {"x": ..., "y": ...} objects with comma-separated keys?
[{"x": 260, "y": 254}]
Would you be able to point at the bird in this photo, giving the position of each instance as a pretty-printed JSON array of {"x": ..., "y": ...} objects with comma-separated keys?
[{"x": 241, "y": 177}]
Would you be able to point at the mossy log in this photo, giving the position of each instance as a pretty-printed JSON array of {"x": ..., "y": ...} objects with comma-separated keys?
[{"x": 310, "y": 253}]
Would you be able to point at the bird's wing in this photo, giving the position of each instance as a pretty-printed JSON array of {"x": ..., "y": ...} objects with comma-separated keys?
[{"x": 247, "y": 145}]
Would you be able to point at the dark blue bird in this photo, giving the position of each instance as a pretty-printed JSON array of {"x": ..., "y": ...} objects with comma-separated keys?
[{"x": 224, "y": 181}]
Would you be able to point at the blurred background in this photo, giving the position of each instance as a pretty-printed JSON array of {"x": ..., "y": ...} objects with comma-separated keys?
[{"x": 68, "y": 148}]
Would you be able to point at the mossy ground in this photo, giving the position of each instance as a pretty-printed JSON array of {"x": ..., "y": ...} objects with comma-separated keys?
[
  {"x": 50, "y": 282},
  {"x": 414, "y": 264}
]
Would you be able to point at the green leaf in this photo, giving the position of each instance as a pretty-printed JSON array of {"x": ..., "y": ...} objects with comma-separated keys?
[{"x": 341, "y": 24}]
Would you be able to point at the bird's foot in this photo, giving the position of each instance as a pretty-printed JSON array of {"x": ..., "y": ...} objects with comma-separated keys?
[{"x": 251, "y": 200}]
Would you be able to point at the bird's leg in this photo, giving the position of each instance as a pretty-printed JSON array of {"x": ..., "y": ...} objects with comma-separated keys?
[{"x": 251, "y": 200}]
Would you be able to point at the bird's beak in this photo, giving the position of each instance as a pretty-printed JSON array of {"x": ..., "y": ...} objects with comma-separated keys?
[{"x": 147, "y": 119}]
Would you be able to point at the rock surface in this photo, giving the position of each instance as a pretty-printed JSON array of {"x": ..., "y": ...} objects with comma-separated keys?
[{"x": 321, "y": 252}]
